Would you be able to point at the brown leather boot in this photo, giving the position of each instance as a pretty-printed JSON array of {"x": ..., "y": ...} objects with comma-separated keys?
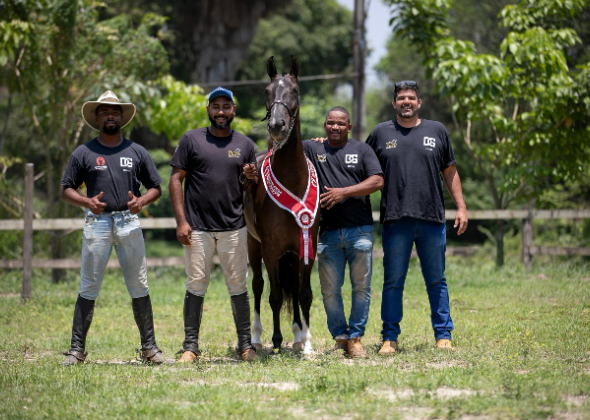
[
  {"x": 341, "y": 344},
  {"x": 444, "y": 343},
  {"x": 355, "y": 349},
  {"x": 188, "y": 357},
  {"x": 388, "y": 348},
  {"x": 248, "y": 355}
]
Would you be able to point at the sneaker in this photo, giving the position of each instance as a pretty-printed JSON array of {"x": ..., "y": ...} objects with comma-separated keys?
[
  {"x": 249, "y": 355},
  {"x": 188, "y": 357},
  {"x": 388, "y": 348},
  {"x": 355, "y": 349},
  {"x": 444, "y": 343}
]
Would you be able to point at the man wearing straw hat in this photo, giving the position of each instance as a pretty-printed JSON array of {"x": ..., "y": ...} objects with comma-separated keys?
[{"x": 112, "y": 168}]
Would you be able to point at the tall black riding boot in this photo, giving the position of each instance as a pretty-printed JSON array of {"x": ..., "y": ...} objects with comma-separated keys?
[
  {"x": 193, "y": 313},
  {"x": 240, "y": 306},
  {"x": 144, "y": 318},
  {"x": 83, "y": 313}
]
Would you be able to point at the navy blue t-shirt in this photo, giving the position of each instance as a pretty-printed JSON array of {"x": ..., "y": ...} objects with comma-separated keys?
[
  {"x": 412, "y": 160},
  {"x": 339, "y": 167},
  {"x": 212, "y": 190},
  {"x": 113, "y": 170}
]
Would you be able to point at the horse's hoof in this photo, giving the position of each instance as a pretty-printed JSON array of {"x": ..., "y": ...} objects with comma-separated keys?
[
  {"x": 276, "y": 351},
  {"x": 257, "y": 346},
  {"x": 298, "y": 346}
]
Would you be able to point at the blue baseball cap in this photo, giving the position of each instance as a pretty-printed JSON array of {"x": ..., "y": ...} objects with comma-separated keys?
[{"x": 220, "y": 91}]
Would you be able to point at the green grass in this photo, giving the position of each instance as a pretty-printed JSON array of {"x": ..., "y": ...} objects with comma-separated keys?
[{"x": 522, "y": 351}]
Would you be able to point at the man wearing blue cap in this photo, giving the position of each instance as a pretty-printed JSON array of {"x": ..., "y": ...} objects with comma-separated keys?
[{"x": 210, "y": 215}]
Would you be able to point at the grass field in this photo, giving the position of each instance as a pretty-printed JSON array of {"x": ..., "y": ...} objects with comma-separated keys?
[{"x": 522, "y": 350}]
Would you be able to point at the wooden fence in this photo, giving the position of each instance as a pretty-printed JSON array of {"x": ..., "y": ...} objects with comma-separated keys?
[{"x": 28, "y": 224}]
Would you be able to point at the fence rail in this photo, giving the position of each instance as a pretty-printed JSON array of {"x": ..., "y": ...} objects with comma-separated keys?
[{"x": 170, "y": 222}]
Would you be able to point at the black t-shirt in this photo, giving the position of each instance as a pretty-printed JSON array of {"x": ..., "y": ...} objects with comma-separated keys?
[
  {"x": 342, "y": 167},
  {"x": 212, "y": 190},
  {"x": 113, "y": 170},
  {"x": 412, "y": 160}
]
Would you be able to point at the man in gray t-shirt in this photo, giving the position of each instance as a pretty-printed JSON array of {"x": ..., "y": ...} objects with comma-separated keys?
[{"x": 112, "y": 168}]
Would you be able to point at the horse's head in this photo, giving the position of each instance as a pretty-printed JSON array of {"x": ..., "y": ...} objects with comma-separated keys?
[{"x": 282, "y": 101}]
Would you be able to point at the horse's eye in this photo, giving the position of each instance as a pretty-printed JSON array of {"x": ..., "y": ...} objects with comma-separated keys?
[
  {"x": 295, "y": 92},
  {"x": 266, "y": 92}
]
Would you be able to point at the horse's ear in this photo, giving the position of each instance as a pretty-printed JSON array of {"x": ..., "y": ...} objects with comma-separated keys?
[
  {"x": 271, "y": 69},
  {"x": 294, "y": 67}
]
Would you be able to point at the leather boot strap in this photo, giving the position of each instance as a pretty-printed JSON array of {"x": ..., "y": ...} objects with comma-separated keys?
[{"x": 77, "y": 354}]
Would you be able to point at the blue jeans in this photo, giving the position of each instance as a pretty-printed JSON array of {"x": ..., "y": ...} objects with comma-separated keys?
[
  {"x": 431, "y": 244},
  {"x": 335, "y": 248},
  {"x": 101, "y": 232}
]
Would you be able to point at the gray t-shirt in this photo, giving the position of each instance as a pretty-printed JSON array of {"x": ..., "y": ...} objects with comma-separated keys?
[
  {"x": 113, "y": 170},
  {"x": 412, "y": 160},
  {"x": 212, "y": 190},
  {"x": 339, "y": 167}
]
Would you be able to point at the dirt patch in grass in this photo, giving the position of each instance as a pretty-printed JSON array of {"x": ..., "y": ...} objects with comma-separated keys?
[
  {"x": 416, "y": 413},
  {"x": 575, "y": 400},
  {"x": 9, "y": 295},
  {"x": 280, "y": 386},
  {"x": 447, "y": 364},
  {"x": 442, "y": 393}
]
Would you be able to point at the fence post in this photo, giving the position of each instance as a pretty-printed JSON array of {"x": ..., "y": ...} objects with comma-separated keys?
[
  {"x": 527, "y": 240},
  {"x": 28, "y": 232}
]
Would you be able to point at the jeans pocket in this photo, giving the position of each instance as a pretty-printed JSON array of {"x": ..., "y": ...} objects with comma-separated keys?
[{"x": 365, "y": 230}]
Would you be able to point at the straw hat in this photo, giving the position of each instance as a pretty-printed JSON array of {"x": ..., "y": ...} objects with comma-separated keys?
[{"x": 107, "y": 98}]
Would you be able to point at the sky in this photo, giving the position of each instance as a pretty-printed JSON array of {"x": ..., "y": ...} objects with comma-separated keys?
[{"x": 378, "y": 31}]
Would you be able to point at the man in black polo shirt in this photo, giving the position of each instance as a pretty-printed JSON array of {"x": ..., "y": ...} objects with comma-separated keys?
[
  {"x": 348, "y": 171},
  {"x": 414, "y": 153},
  {"x": 112, "y": 169},
  {"x": 210, "y": 216}
]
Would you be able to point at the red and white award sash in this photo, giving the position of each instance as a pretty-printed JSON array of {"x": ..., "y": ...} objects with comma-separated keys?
[{"x": 304, "y": 210}]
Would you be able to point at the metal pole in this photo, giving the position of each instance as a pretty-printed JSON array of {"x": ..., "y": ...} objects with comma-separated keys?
[
  {"x": 28, "y": 232},
  {"x": 358, "y": 84}
]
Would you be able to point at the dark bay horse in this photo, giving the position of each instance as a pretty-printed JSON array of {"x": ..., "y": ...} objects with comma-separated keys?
[{"x": 273, "y": 234}]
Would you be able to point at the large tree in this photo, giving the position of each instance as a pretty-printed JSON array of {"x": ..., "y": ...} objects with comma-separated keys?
[{"x": 536, "y": 107}]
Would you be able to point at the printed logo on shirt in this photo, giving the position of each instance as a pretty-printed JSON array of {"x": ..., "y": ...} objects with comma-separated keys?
[
  {"x": 322, "y": 158},
  {"x": 391, "y": 144},
  {"x": 126, "y": 162},
  {"x": 101, "y": 164},
  {"x": 233, "y": 153},
  {"x": 351, "y": 158},
  {"x": 430, "y": 142}
]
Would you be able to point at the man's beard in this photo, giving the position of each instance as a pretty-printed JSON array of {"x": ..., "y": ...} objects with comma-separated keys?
[
  {"x": 221, "y": 126},
  {"x": 412, "y": 113},
  {"x": 111, "y": 130}
]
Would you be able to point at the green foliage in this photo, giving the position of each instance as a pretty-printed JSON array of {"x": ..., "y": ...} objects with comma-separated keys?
[
  {"x": 174, "y": 108},
  {"x": 536, "y": 106}
]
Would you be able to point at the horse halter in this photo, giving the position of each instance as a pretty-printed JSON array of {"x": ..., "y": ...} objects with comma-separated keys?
[{"x": 293, "y": 115}]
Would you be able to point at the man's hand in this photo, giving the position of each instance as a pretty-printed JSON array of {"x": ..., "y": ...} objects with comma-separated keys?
[
  {"x": 250, "y": 171},
  {"x": 461, "y": 221},
  {"x": 135, "y": 204},
  {"x": 183, "y": 234},
  {"x": 95, "y": 205},
  {"x": 332, "y": 197},
  {"x": 318, "y": 139}
]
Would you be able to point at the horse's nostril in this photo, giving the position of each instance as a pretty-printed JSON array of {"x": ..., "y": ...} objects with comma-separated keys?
[{"x": 282, "y": 123}]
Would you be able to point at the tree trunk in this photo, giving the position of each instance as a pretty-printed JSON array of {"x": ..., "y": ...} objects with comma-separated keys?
[{"x": 499, "y": 243}]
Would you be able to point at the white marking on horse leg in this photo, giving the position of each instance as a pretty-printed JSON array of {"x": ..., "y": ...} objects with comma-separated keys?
[
  {"x": 297, "y": 336},
  {"x": 306, "y": 335},
  {"x": 256, "y": 331}
]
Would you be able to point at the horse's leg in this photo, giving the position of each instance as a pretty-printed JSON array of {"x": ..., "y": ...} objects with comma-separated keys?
[
  {"x": 305, "y": 299},
  {"x": 255, "y": 259},
  {"x": 276, "y": 302}
]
